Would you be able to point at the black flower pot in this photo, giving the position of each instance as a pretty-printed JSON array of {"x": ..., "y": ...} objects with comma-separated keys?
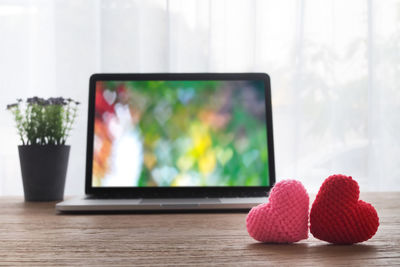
[{"x": 44, "y": 169}]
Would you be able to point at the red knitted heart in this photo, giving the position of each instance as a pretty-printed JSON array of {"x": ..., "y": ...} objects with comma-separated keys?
[{"x": 337, "y": 216}]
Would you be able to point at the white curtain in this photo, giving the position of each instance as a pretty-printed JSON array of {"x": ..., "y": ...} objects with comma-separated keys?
[{"x": 334, "y": 65}]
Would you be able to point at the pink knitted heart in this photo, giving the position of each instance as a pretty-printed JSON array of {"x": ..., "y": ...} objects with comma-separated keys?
[{"x": 284, "y": 219}]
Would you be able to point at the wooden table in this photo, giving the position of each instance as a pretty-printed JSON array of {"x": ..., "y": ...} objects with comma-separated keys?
[{"x": 32, "y": 234}]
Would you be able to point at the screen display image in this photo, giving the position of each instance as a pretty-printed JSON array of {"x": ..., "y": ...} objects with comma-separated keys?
[{"x": 180, "y": 133}]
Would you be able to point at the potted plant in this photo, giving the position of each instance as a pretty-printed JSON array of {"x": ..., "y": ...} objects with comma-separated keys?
[{"x": 43, "y": 126}]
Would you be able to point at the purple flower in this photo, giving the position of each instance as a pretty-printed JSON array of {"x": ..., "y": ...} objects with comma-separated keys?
[{"x": 10, "y": 106}]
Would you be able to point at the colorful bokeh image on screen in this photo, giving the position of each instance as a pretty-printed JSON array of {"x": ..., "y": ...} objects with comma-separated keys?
[{"x": 180, "y": 133}]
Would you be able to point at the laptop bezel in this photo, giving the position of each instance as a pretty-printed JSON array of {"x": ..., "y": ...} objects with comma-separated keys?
[{"x": 182, "y": 192}]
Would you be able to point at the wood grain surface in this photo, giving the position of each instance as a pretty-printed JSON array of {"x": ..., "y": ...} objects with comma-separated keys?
[{"x": 32, "y": 234}]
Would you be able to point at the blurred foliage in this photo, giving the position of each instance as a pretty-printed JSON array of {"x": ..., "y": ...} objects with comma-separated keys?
[{"x": 195, "y": 133}]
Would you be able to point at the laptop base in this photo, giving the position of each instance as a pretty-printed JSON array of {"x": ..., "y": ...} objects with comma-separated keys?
[{"x": 80, "y": 205}]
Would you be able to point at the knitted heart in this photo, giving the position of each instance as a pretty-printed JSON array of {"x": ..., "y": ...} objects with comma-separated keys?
[
  {"x": 284, "y": 219},
  {"x": 337, "y": 216}
]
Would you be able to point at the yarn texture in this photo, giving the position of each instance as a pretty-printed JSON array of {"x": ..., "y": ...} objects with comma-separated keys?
[
  {"x": 284, "y": 219},
  {"x": 338, "y": 216}
]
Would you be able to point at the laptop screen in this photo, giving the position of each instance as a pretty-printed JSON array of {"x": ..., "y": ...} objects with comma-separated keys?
[{"x": 172, "y": 133}]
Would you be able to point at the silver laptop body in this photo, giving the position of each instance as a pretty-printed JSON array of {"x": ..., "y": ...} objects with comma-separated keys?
[
  {"x": 172, "y": 204},
  {"x": 174, "y": 142}
]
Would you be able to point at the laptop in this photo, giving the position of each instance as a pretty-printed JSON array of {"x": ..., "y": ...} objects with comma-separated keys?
[{"x": 174, "y": 142}]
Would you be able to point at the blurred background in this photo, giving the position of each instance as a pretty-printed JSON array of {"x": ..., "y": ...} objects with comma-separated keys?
[
  {"x": 334, "y": 66},
  {"x": 180, "y": 133}
]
